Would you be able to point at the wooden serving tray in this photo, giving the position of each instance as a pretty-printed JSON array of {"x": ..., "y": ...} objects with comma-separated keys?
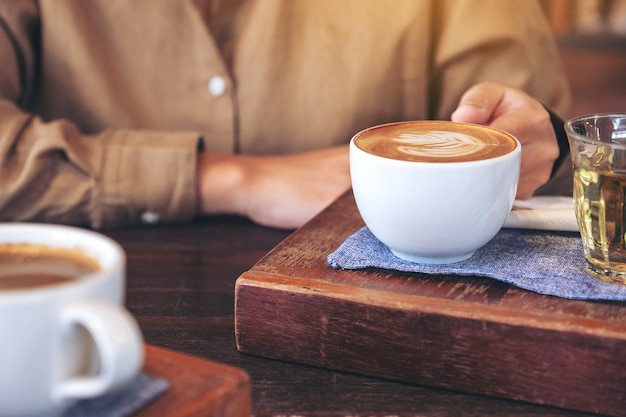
[
  {"x": 469, "y": 334},
  {"x": 197, "y": 387}
]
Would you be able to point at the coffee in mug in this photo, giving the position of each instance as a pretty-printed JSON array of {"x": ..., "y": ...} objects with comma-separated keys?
[
  {"x": 434, "y": 191},
  {"x": 64, "y": 332},
  {"x": 434, "y": 142},
  {"x": 26, "y": 265}
]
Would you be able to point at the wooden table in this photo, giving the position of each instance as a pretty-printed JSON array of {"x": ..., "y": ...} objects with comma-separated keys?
[{"x": 181, "y": 290}]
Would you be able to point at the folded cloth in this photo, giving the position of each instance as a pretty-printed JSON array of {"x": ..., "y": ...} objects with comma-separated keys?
[
  {"x": 123, "y": 402},
  {"x": 550, "y": 263},
  {"x": 543, "y": 213}
]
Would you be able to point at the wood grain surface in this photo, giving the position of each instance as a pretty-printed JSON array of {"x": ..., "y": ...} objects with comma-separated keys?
[
  {"x": 197, "y": 387},
  {"x": 469, "y": 334}
]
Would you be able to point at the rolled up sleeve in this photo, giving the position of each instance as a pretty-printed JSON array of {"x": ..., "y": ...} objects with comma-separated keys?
[
  {"x": 50, "y": 172},
  {"x": 146, "y": 177}
]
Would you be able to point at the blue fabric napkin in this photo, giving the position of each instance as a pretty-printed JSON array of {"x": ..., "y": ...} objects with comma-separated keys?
[
  {"x": 124, "y": 402},
  {"x": 549, "y": 263}
]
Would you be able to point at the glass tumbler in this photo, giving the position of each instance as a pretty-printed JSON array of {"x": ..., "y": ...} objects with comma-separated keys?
[{"x": 598, "y": 150}]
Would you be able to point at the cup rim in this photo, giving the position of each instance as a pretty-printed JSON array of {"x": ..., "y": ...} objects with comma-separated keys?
[
  {"x": 113, "y": 253},
  {"x": 569, "y": 130},
  {"x": 512, "y": 153}
]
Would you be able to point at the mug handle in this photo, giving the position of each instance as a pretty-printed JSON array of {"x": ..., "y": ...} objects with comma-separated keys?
[{"x": 119, "y": 344}]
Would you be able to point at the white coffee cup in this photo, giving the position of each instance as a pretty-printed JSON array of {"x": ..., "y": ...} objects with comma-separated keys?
[
  {"x": 68, "y": 341},
  {"x": 445, "y": 194}
]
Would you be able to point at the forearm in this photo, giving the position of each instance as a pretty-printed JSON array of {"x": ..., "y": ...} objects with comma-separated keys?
[
  {"x": 280, "y": 191},
  {"x": 220, "y": 178}
]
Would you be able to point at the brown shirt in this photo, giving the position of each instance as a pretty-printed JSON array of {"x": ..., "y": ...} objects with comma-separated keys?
[{"x": 103, "y": 102}]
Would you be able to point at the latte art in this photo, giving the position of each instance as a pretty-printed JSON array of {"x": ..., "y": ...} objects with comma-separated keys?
[
  {"x": 435, "y": 141},
  {"x": 439, "y": 143}
]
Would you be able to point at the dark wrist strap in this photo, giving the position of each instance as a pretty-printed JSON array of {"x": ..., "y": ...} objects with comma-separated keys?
[{"x": 559, "y": 129}]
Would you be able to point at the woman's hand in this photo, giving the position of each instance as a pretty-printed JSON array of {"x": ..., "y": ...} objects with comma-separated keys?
[{"x": 509, "y": 109}]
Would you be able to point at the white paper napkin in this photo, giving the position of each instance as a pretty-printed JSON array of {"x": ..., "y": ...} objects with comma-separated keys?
[{"x": 543, "y": 213}]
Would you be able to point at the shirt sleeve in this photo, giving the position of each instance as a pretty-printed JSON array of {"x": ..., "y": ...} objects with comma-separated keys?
[
  {"x": 501, "y": 41},
  {"x": 52, "y": 172}
]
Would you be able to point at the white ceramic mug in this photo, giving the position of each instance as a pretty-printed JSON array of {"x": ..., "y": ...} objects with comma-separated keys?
[
  {"x": 60, "y": 343},
  {"x": 434, "y": 209}
]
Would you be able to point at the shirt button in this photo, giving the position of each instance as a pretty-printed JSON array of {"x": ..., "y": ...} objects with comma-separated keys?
[
  {"x": 150, "y": 217},
  {"x": 217, "y": 86}
]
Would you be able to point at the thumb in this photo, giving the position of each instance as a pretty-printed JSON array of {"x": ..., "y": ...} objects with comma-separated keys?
[
  {"x": 470, "y": 113},
  {"x": 478, "y": 104}
]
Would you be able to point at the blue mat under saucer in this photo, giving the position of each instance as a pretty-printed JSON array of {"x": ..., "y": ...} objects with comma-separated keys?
[{"x": 546, "y": 262}]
